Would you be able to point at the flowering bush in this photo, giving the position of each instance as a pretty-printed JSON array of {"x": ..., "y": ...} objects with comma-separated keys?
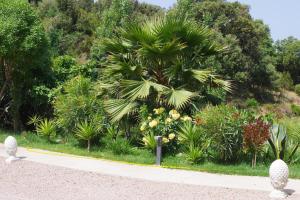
[
  {"x": 161, "y": 123},
  {"x": 255, "y": 135},
  {"x": 223, "y": 125}
]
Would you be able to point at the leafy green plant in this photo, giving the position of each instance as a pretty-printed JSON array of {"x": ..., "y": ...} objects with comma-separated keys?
[
  {"x": 86, "y": 131},
  {"x": 295, "y": 109},
  {"x": 282, "y": 145},
  {"x": 115, "y": 141},
  {"x": 278, "y": 141},
  {"x": 46, "y": 128},
  {"x": 190, "y": 134},
  {"x": 252, "y": 103},
  {"x": 120, "y": 146},
  {"x": 194, "y": 154},
  {"x": 223, "y": 126},
  {"x": 297, "y": 89},
  {"x": 193, "y": 141},
  {"x": 76, "y": 102},
  {"x": 149, "y": 141},
  {"x": 285, "y": 81},
  {"x": 34, "y": 120},
  {"x": 293, "y": 133}
]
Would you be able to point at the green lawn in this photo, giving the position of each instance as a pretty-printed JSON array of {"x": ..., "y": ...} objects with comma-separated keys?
[{"x": 144, "y": 157}]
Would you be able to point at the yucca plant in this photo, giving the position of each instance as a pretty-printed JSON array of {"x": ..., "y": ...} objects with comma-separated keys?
[
  {"x": 190, "y": 134},
  {"x": 86, "y": 131},
  {"x": 194, "y": 141},
  {"x": 194, "y": 154},
  {"x": 159, "y": 63},
  {"x": 46, "y": 128},
  {"x": 34, "y": 120},
  {"x": 149, "y": 141}
]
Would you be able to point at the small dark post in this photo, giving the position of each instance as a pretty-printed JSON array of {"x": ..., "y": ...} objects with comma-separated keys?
[{"x": 158, "y": 140}]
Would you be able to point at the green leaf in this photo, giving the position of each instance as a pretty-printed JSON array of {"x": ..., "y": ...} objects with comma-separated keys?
[
  {"x": 118, "y": 108},
  {"x": 139, "y": 89},
  {"x": 180, "y": 98}
]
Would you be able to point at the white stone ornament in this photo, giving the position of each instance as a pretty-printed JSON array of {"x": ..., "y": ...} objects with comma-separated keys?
[
  {"x": 279, "y": 173},
  {"x": 11, "y": 146}
]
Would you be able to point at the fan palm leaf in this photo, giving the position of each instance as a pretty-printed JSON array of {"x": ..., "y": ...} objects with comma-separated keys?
[
  {"x": 179, "y": 98},
  {"x": 139, "y": 89},
  {"x": 117, "y": 108}
]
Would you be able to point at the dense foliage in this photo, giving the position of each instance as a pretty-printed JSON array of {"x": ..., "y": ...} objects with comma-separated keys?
[{"x": 113, "y": 74}]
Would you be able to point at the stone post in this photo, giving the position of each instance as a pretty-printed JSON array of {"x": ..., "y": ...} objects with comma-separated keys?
[{"x": 158, "y": 140}]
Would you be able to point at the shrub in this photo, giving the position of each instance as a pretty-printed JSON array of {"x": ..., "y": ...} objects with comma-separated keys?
[
  {"x": 255, "y": 135},
  {"x": 190, "y": 134},
  {"x": 193, "y": 141},
  {"x": 285, "y": 81},
  {"x": 77, "y": 102},
  {"x": 120, "y": 146},
  {"x": 297, "y": 89},
  {"x": 252, "y": 103},
  {"x": 223, "y": 125},
  {"x": 115, "y": 142},
  {"x": 295, "y": 109},
  {"x": 195, "y": 154}
]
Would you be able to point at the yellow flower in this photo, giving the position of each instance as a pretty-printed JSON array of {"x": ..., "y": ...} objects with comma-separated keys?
[
  {"x": 175, "y": 116},
  {"x": 168, "y": 120},
  {"x": 172, "y": 112},
  {"x": 165, "y": 140},
  {"x": 158, "y": 111},
  {"x": 149, "y": 117},
  {"x": 153, "y": 123},
  {"x": 171, "y": 136},
  {"x": 186, "y": 118}
]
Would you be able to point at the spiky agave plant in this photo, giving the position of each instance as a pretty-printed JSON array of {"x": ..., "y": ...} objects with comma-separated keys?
[{"x": 159, "y": 63}]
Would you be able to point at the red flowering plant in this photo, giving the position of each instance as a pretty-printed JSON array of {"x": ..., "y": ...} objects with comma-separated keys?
[{"x": 255, "y": 135}]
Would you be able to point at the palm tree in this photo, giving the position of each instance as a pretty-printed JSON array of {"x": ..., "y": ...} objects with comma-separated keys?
[
  {"x": 86, "y": 131},
  {"x": 159, "y": 63}
]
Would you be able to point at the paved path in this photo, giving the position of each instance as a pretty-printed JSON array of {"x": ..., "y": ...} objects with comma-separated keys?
[{"x": 50, "y": 173}]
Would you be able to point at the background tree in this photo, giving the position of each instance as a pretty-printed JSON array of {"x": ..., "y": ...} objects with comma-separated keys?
[
  {"x": 23, "y": 54},
  {"x": 249, "y": 59},
  {"x": 288, "y": 57}
]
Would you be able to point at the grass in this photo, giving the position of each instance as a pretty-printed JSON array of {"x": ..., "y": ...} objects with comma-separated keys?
[{"x": 144, "y": 157}]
